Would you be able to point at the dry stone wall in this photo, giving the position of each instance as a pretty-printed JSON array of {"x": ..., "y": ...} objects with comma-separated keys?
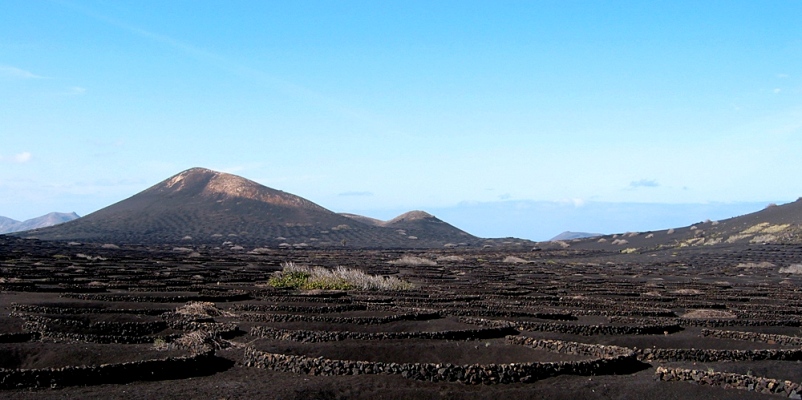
[
  {"x": 323, "y": 309},
  {"x": 331, "y": 336},
  {"x": 585, "y": 330},
  {"x": 706, "y": 355},
  {"x": 783, "y": 388},
  {"x": 260, "y": 317},
  {"x": 211, "y": 297},
  {"x": 754, "y": 337},
  {"x": 609, "y": 359}
]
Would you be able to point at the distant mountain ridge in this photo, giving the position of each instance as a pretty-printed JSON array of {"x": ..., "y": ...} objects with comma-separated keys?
[
  {"x": 8, "y": 225},
  {"x": 205, "y": 207},
  {"x": 568, "y": 235}
]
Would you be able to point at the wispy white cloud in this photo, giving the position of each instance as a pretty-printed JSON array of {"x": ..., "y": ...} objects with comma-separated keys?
[
  {"x": 255, "y": 75},
  {"x": 783, "y": 76},
  {"x": 76, "y": 91},
  {"x": 576, "y": 202},
  {"x": 644, "y": 183},
  {"x": 236, "y": 169},
  {"x": 20, "y": 158},
  {"x": 777, "y": 90},
  {"x": 23, "y": 157},
  {"x": 18, "y": 73},
  {"x": 356, "y": 194}
]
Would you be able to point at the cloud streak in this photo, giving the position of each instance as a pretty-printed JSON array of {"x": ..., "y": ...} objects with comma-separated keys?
[
  {"x": 255, "y": 75},
  {"x": 76, "y": 91},
  {"x": 356, "y": 194},
  {"x": 20, "y": 158},
  {"x": 17, "y": 73},
  {"x": 648, "y": 183}
]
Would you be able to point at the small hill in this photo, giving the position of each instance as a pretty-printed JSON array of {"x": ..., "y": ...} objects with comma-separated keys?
[
  {"x": 420, "y": 225},
  {"x": 364, "y": 220},
  {"x": 568, "y": 235},
  {"x": 8, "y": 225},
  {"x": 425, "y": 226},
  {"x": 201, "y": 206}
]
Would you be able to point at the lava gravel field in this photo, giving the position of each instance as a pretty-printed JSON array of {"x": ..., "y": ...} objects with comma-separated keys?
[{"x": 105, "y": 321}]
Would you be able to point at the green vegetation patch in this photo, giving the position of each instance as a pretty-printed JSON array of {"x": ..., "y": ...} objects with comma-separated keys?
[{"x": 308, "y": 278}]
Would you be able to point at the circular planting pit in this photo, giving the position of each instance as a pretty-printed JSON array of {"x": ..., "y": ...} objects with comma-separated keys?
[
  {"x": 491, "y": 351},
  {"x": 431, "y": 325},
  {"x": 96, "y": 324},
  {"x": 685, "y": 339},
  {"x": 594, "y": 360},
  {"x": 91, "y": 308},
  {"x": 39, "y": 355}
]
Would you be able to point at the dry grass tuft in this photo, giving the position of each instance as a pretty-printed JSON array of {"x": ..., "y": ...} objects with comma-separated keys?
[
  {"x": 200, "y": 342},
  {"x": 413, "y": 261},
  {"x": 751, "y": 265},
  {"x": 514, "y": 260},
  {"x": 708, "y": 314},
  {"x": 340, "y": 278},
  {"x": 792, "y": 269},
  {"x": 687, "y": 292},
  {"x": 768, "y": 238},
  {"x": 201, "y": 309}
]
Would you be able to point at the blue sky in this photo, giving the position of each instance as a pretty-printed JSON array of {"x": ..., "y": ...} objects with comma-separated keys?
[{"x": 490, "y": 114}]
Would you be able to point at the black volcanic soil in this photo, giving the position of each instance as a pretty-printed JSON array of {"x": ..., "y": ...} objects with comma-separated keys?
[{"x": 90, "y": 293}]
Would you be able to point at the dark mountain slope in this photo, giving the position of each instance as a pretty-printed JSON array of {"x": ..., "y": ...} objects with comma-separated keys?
[
  {"x": 202, "y": 206},
  {"x": 774, "y": 224}
]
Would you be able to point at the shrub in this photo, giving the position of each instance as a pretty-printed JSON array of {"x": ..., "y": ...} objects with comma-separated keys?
[
  {"x": 764, "y": 264},
  {"x": 763, "y": 239},
  {"x": 412, "y": 261},
  {"x": 735, "y": 238},
  {"x": 307, "y": 278},
  {"x": 201, "y": 309},
  {"x": 289, "y": 280},
  {"x": 776, "y": 228},
  {"x": 708, "y": 314},
  {"x": 160, "y": 344},
  {"x": 792, "y": 269}
]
